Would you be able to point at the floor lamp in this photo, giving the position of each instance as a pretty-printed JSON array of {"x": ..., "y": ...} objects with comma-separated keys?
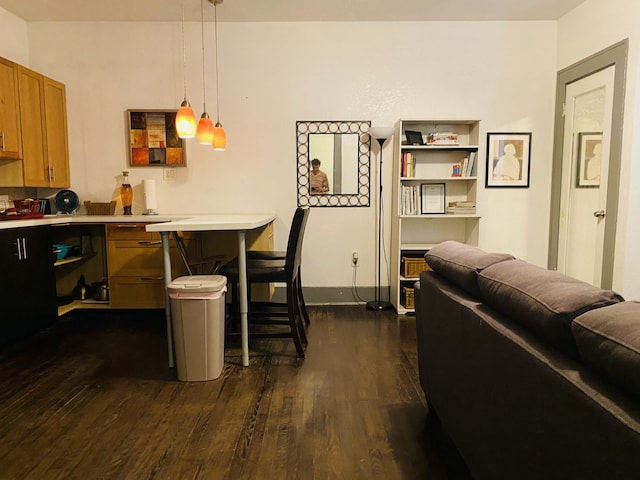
[{"x": 381, "y": 134}]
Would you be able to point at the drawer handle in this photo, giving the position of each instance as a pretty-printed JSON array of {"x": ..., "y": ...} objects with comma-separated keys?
[
  {"x": 127, "y": 225},
  {"x": 151, "y": 278},
  {"x": 150, "y": 242},
  {"x": 2, "y": 138}
]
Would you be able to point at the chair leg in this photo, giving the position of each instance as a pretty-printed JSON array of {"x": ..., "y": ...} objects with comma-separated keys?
[
  {"x": 303, "y": 305},
  {"x": 292, "y": 301}
]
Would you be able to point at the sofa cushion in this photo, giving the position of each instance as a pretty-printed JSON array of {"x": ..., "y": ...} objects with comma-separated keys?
[
  {"x": 460, "y": 263},
  {"x": 608, "y": 340},
  {"x": 544, "y": 301}
]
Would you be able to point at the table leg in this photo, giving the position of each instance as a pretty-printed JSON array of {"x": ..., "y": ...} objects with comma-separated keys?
[
  {"x": 242, "y": 293},
  {"x": 166, "y": 262}
]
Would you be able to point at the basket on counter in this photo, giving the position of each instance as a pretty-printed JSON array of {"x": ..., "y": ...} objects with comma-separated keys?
[{"x": 100, "y": 208}]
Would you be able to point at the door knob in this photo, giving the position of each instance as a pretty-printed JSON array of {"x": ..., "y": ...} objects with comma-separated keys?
[{"x": 598, "y": 214}]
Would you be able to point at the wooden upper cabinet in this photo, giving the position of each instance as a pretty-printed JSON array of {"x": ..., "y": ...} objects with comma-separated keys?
[
  {"x": 55, "y": 108},
  {"x": 43, "y": 114},
  {"x": 10, "y": 138},
  {"x": 32, "y": 121}
]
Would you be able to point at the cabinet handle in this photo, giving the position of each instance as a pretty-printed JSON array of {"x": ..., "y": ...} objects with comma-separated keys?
[
  {"x": 127, "y": 225},
  {"x": 2, "y": 138},
  {"x": 150, "y": 242},
  {"x": 21, "y": 247},
  {"x": 151, "y": 278}
]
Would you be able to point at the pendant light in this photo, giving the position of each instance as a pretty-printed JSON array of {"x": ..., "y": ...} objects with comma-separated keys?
[
  {"x": 205, "y": 125},
  {"x": 185, "y": 118},
  {"x": 219, "y": 135}
]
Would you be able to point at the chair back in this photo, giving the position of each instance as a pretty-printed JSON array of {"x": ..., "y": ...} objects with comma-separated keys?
[{"x": 294, "y": 245}]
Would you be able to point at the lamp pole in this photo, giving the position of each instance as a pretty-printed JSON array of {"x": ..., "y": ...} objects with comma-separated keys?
[{"x": 381, "y": 134}]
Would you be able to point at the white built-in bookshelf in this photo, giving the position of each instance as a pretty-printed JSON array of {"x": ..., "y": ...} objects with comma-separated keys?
[{"x": 434, "y": 194}]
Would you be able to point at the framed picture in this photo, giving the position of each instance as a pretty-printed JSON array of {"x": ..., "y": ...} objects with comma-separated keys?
[
  {"x": 153, "y": 139},
  {"x": 413, "y": 138},
  {"x": 508, "y": 159},
  {"x": 432, "y": 198},
  {"x": 589, "y": 159}
]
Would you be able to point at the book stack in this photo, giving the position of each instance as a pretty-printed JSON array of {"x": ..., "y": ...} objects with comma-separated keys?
[
  {"x": 442, "y": 139},
  {"x": 462, "y": 207},
  {"x": 410, "y": 204},
  {"x": 408, "y": 165}
]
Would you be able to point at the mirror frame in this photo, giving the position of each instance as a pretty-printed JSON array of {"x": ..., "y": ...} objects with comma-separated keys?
[{"x": 359, "y": 199}]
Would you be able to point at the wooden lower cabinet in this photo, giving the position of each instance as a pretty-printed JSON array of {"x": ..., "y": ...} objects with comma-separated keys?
[{"x": 134, "y": 261}]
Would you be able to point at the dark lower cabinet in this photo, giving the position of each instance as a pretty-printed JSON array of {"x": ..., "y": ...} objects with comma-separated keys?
[{"x": 27, "y": 282}]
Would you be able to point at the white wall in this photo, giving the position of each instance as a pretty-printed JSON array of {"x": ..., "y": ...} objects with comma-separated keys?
[
  {"x": 272, "y": 74},
  {"x": 14, "y": 44},
  {"x": 591, "y": 27}
]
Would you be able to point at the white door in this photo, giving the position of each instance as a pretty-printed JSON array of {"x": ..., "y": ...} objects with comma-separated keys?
[{"x": 585, "y": 167}]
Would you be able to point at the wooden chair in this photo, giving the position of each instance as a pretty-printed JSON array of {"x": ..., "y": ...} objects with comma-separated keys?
[{"x": 267, "y": 270}]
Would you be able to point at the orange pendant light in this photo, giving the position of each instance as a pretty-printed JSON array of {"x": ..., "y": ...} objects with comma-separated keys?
[
  {"x": 186, "y": 121},
  {"x": 205, "y": 131},
  {"x": 185, "y": 118},
  {"x": 219, "y": 137}
]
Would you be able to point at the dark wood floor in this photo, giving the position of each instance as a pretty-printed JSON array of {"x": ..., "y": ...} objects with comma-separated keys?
[{"x": 92, "y": 398}]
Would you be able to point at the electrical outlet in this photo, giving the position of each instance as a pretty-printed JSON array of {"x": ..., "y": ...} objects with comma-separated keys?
[
  {"x": 354, "y": 258},
  {"x": 168, "y": 174}
]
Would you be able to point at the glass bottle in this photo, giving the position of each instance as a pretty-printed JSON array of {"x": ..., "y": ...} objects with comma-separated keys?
[{"x": 126, "y": 193}]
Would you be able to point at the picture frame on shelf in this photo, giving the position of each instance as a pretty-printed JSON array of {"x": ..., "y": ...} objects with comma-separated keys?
[
  {"x": 432, "y": 198},
  {"x": 413, "y": 137},
  {"x": 508, "y": 159},
  {"x": 153, "y": 139},
  {"x": 588, "y": 159}
]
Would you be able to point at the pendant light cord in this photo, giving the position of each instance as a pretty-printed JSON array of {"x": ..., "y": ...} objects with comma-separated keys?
[
  {"x": 215, "y": 29},
  {"x": 204, "y": 88},
  {"x": 184, "y": 55}
]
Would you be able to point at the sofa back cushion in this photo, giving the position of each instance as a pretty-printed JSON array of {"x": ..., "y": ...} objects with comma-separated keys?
[
  {"x": 460, "y": 263},
  {"x": 608, "y": 340},
  {"x": 544, "y": 301}
]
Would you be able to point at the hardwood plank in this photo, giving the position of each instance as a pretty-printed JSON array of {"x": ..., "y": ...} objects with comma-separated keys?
[{"x": 92, "y": 397}]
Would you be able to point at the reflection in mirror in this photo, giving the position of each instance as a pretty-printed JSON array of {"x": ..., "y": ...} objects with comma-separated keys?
[{"x": 333, "y": 163}]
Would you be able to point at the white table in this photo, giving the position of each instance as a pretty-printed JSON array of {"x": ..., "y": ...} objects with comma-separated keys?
[{"x": 240, "y": 223}]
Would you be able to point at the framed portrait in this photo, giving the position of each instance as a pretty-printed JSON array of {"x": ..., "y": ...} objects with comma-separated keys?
[
  {"x": 432, "y": 198},
  {"x": 153, "y": 139},
  {"x": 589, "y": 159},
  {"x": 508, "y": 160}
]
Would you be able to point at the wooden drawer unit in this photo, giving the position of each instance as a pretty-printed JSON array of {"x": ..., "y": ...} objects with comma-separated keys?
[{"x": 135, "y": 265}]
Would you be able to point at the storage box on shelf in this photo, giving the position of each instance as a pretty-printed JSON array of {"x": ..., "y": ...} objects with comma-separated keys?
[{"x": 435, "y": 186}]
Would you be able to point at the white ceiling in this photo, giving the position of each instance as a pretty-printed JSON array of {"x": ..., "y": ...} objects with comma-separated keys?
[{"x": 289, "y": 10}]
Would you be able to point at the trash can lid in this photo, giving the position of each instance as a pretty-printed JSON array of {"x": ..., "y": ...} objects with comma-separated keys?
[{"x": 198, "y": 283}]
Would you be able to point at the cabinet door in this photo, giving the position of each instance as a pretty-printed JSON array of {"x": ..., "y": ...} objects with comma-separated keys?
[
  {"x": 55, "y": 110},
  {"x": 36, "y": 170},
  {"x": 10, "y": 138},
  {"x": 27, "y": 282}
]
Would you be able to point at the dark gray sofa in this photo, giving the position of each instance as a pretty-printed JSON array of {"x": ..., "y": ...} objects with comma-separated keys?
[{"x": 532, "y": 374}]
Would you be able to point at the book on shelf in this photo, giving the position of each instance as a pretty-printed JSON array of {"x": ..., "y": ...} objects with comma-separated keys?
[
  {"x": 466, "y": 207},
  {"x": 470, "y": 161},
  {"x": 464, "y": 166}
]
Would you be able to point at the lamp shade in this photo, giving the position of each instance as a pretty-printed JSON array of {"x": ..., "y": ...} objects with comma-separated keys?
[
  {"x": 205, "y": 130},
  {"x": 219, "y": 137},
  {"x": 186, "y": 121},
  {"x": 381, "y": 133}
]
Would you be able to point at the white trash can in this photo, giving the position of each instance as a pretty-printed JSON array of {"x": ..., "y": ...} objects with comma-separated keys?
[{"x": 197, "y": 311}]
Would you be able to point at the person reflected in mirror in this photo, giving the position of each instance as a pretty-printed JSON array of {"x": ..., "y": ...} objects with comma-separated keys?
[
  {"x": 318, "y": 180},
  {"x": 508, "y": 165}
]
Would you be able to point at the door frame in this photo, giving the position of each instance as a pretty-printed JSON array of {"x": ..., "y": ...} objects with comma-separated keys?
[{"x": 615, "y": 55}]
